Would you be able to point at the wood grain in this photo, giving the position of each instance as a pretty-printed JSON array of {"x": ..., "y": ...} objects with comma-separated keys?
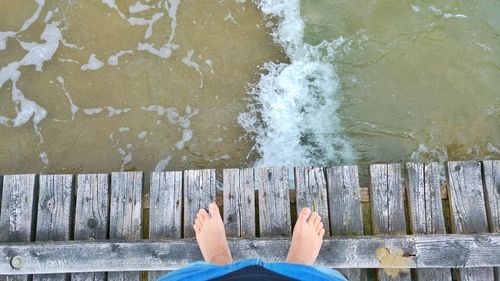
[
  {"x": 199, "y": 191},
  {"x": 165, "y": 213},
  {"x": 54, "y": 213},
  {"x": 346, "y": 218},
  {"x": 491, "y": 177},
  {"x": 239, "y": 202},
  {"x": 311, "y": 191},
  {"x": 17, "y": 212},
  {"x": 425, "y": 209},
  {"x": 388, "y": 213},
  {"x": 125, "y": 213},
  {"x": 420, "y": 251},
  {"x": 91, "y": 215},
  {"x": 274, "y": 202},
  {"x": 467, "y": 206}
]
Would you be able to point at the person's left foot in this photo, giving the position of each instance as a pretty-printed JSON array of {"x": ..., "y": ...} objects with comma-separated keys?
[{"x": 211, "y": 236}]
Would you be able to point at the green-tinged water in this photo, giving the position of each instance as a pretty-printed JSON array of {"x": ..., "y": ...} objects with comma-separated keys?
[{"x": 418, "y": 80}]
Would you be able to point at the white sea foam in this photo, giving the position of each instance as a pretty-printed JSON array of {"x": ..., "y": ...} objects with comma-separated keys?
[
  {"x": 162, "y": 164},
  {"x": 187, "y": 135},
  {"x": 93, "y": 63},
  {"x": 138, "y": 7},
  {"x": 38, "y": 53},
  {"x": 293, "y": 115},
  {"x": 188, "y": 60},
  {"x": 174, "y": 117},
  {"x": 6, "y": 34},
  {"x": 92, "y": 111},
  {"x": 164, "y": 51},
  {"x": 3, "y": 38},
  {"x": 45, "y": 159},
  {"x": 34, "y": 17},
  {"x": 143, "y": 21},
  {"x": 113, "y": 60},
  {"x": 445, "y": 15},
  {"x": 126, "y": 156},
  {"x": 73, "y": 107}
]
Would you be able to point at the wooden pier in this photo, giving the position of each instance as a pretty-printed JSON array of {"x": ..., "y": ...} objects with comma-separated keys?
[{"x": 106, "y": 227}]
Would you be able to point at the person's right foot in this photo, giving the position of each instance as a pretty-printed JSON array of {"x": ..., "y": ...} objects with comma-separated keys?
[{"x": 306, "y": 239}]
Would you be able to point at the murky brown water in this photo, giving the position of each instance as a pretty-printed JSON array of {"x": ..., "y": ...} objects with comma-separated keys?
[{"x": 141, "y": 111}]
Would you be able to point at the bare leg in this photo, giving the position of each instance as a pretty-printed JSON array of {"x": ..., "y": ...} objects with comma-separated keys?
[
  {"x": 211, "y": 236},
  {"x": 306, "y": 239}
]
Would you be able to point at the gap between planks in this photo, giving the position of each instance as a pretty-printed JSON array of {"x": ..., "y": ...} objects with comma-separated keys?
[{"x": 364, "y": 192}]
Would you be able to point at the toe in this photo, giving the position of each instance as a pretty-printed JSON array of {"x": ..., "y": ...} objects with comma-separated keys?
[
  {"x": 204, "y": 214},
  {"x": 196, "y": 229},
  {"x": 214, "y": 210},
  {"x": 198, "y": 223},
  {"x": 312, "y": 217},
  {"x": 322, "y": 233},
  {"x": 304, "y": 214},
  {"x": 200, "y": 217},
  {"x": 317, "y": 220},
  {"x": 319, "y": 227}
]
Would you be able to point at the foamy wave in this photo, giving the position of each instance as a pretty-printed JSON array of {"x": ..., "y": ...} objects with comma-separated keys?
[{"x": 293, "y": 114}]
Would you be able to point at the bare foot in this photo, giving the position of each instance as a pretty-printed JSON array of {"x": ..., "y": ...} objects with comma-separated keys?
[
  {"x": 211, "y": 236},
  {"x": 307, "y": 238}
]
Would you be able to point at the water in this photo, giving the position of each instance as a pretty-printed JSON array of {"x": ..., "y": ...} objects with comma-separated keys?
[{"x": 100, "y": 86}]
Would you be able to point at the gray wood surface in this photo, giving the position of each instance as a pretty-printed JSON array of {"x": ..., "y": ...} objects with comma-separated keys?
[
  {"x": 425, "y": 209},
  {"x": 388, "y": 213},
  {"x": 310, "y": 187},
  {"x": 491, "y": 174},
  {"x": 165, "y": 209},
  {"x": 55, "y": 198},
  {"x": 438, "y": 251},
  {"x": 274, "y": 202},
  {"x": 91, "y": 215},
  {"x": 199, "y": 191},
  {"x": 239, "y": 202},
  {"x": 346, "y": 218},
  {"x": 467, "y": 207},
  {"x": 16, "y": 214},
  {"x": 125, "y": 213}
]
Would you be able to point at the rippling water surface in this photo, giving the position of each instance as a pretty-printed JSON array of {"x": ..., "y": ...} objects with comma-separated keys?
[{"x": 104, "y": 85}]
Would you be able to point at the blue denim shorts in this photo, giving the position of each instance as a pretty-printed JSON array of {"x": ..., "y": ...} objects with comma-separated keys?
[{"x": 206, "y": 271}]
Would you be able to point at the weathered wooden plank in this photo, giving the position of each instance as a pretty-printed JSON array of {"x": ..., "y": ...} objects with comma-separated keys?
[
  {"x": 165, "y": 212},
  {"x": 125, "y": 213},
  {"x": 346, "y": 218},
  {"x": 199, "y": 191},
  {"x": 310, "y": 186},
  {"x": 54, "y": 213},
  {"x": 17, "y": 212},
  {"x": 467, "y": 206},
  {"x": 491, "y": 174},
  {"x": 365, "y": 196},
  {"x": 388, "y": 213},
  {"x": 91, "y": 215},
  {"x": 425, "y": 209},
  {"x": 239, "y": 202},
  {"x": 435, "y": 250},
  {"x": 274, "y": 202}
]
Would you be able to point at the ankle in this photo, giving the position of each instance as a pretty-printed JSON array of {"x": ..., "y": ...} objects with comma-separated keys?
[{"x": 220, "y": 259}]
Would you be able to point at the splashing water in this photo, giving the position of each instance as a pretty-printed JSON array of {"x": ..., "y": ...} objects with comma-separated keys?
[{"x": 294, "y": 112}]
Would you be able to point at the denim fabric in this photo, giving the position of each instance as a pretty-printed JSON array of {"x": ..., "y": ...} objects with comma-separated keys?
[{"x": 206, "y": 271}]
